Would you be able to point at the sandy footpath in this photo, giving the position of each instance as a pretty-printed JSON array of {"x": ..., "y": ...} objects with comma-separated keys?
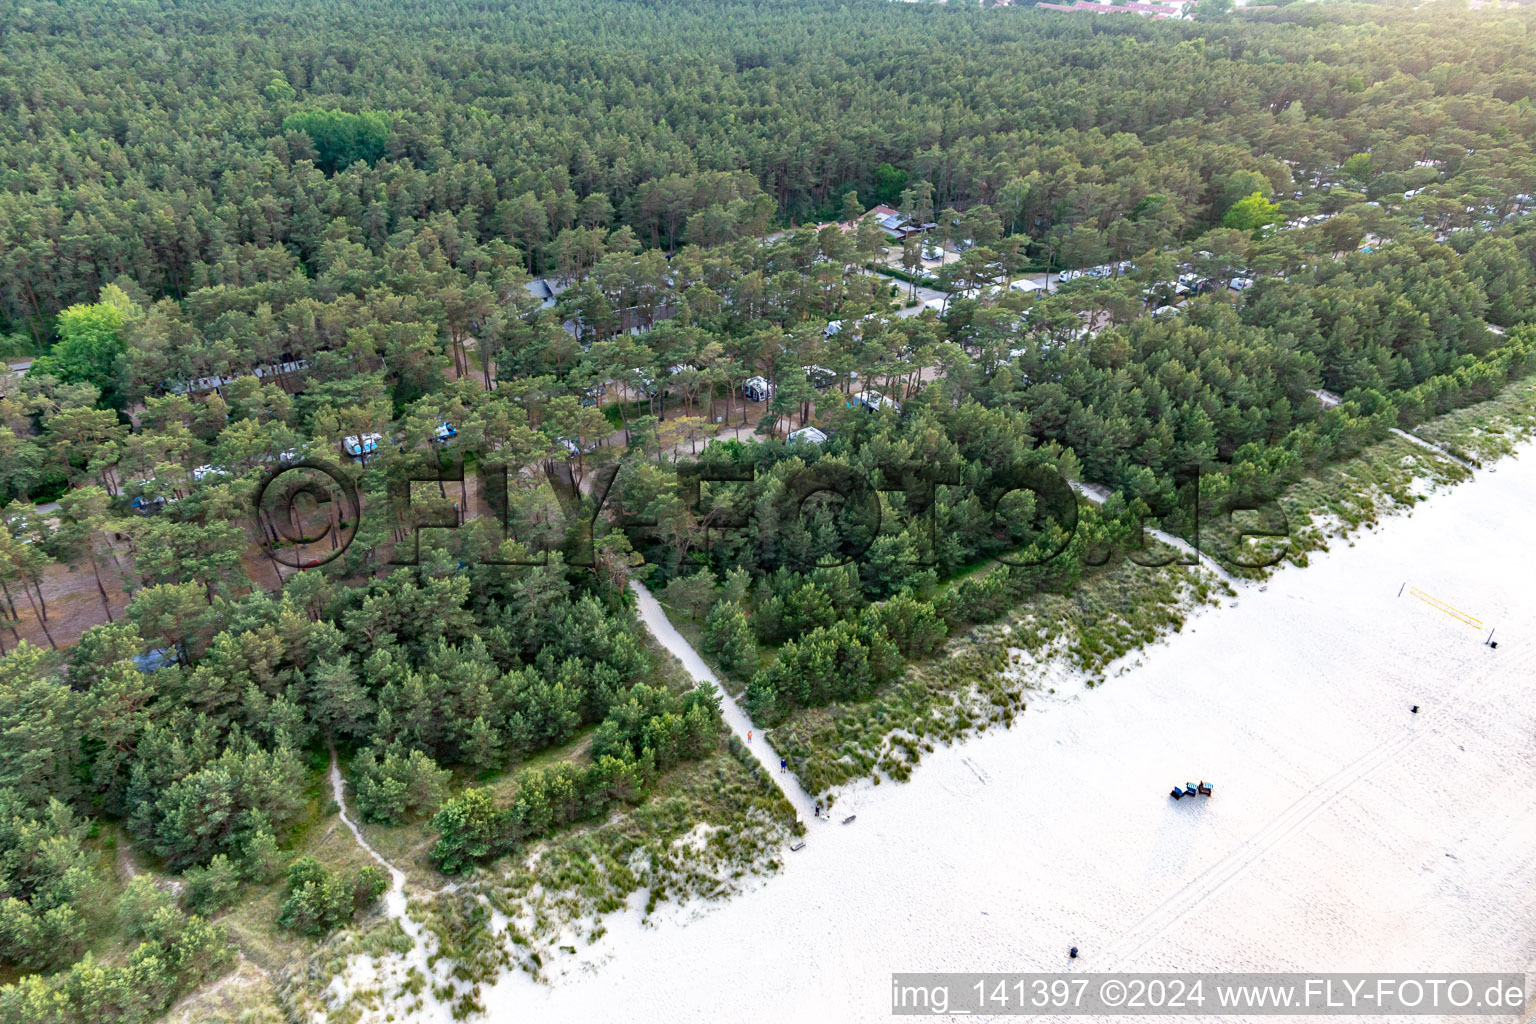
[
  {"x": 650, "y": 612},
  {"x": 1344, "y": 834}
]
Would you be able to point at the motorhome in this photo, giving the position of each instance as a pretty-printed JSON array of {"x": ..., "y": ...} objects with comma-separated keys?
[
  {"x": 357, "y": 447},
  {"x": 821, "y": 377},
  {"x": 756, "y": 389},
  {"x": 874, "y": 401}
]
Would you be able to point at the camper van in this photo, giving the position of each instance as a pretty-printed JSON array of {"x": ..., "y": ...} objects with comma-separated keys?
[
  {"x": 357, "y": 447},
  {"x": 821, "y": 377},
  {"x": 874, "y": 401},
  {"x": 756, "y": 389}
]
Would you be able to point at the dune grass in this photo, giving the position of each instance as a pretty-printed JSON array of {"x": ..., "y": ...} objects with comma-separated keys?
[{"x": 975, "y": 683}]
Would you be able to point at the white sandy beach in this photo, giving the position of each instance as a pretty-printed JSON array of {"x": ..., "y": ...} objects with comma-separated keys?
[{"x": 1344, "y": 834}]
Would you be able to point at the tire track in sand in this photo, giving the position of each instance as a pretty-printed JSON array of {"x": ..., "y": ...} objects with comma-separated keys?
[{"x": 1200, "y": 889}]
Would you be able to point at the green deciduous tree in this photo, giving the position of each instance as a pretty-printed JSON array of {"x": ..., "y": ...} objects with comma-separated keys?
[{"x": 1251, "y": 213}]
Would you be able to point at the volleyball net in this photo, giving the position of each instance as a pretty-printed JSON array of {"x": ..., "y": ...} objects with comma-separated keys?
[{"x": 1440, "y": 606}]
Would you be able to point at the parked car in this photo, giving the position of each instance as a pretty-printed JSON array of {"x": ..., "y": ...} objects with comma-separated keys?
[
  {"x": 156, "y": 658},
  {"x": 810, "y": 435},
  {"x": 644, "y": 382}
]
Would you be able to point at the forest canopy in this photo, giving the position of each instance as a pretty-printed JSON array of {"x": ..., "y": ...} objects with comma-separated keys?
[
  {"x": 341, "y": 139},
  {"x": 573, "y": 294}
]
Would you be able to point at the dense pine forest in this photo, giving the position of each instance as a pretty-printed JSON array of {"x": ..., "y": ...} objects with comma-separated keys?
[{"x": 557, "y": 290}]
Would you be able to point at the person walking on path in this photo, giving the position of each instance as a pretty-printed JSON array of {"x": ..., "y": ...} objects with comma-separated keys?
[
  {"x": 749, "y": 735},
  {"x": 783, "y": 764}
]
